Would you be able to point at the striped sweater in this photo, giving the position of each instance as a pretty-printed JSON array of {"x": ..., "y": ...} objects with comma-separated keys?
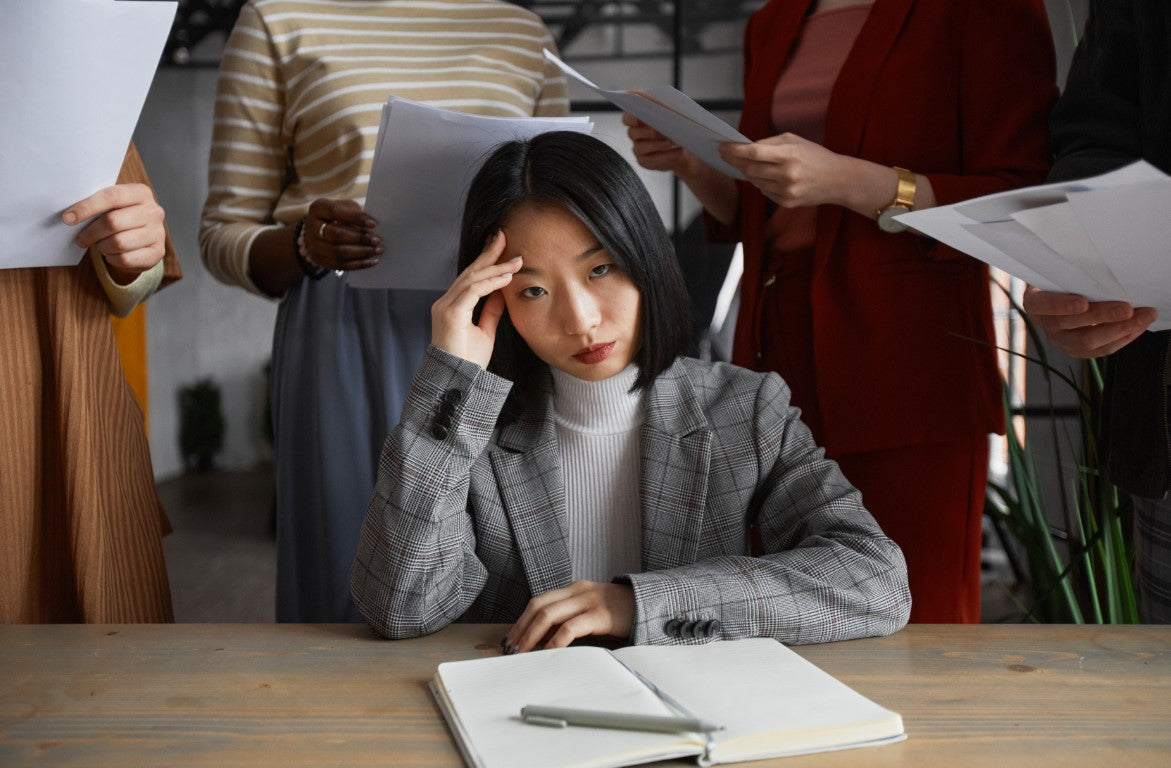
[{"x": 301, "y": 89}]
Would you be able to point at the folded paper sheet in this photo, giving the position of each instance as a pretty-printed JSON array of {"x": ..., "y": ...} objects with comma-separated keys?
[
  {"x": 76, "y": 74},
  {"x": 424, "y": 160},
  {"x": 673, "y": 114},
  {"x": 1105, "y": 238}
]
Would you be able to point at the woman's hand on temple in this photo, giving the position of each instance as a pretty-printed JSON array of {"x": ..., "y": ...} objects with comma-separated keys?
[
  {"x": 557, "y": 618},
  {"x": 452, "y": 328},
  {"x": 128, "y": 231},
  {"x": 339, "y": 235}
]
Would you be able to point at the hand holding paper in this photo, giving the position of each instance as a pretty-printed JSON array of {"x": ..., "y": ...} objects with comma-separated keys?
[
  {"x": 1081, "y": 328},
  {"x": 1105, "y": 238},
  {"x": 127, "y": 229},
  {"x": 75, "y": 77},
  {"x": 672, "y": 114}
]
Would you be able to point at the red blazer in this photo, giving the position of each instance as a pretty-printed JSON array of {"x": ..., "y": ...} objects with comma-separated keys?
[{"x": 957, "y": 90}]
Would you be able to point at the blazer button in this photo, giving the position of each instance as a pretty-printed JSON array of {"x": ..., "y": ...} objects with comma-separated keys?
[
  {"x": 708, "y": 628},
  {"x": 688, "y": 629},
  {"x": 443, "y": 420},
  {"x": 452, "y": 396},
  {"x": 446, "y": 409},
  {"x": 438, "y": 432},
  {"x": 673, "y": 626}
]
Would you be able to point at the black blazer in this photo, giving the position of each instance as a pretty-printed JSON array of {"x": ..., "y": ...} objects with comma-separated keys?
[{"x": 1117, "y": 109}]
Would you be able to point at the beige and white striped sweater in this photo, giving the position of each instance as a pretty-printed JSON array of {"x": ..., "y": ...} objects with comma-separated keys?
[{"x": 301, "y": 88}]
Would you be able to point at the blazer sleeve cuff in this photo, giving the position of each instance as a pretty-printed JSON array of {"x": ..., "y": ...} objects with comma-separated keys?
[
  {"x": 454, "y": 400},
  {"x": 674, "y": 610}
]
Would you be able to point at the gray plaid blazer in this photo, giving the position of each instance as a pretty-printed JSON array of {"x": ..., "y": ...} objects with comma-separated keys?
[{"x": 468, "y": 520}]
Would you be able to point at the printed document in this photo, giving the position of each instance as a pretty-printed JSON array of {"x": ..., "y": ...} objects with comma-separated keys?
[
  {"x": 424, "y": 161},
  {"x": 1107, "y": 238},
  {"x": 673, "y": 114},
  {"x": 76, "y": 74}
]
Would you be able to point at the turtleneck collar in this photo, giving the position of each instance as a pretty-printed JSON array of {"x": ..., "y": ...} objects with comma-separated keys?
[{"x": 603, "y": 407}]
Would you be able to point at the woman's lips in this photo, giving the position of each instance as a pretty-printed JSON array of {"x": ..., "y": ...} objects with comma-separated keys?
[{"x": 594, "y": 354}]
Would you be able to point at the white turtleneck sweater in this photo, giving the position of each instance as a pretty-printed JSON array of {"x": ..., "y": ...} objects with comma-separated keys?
[{"x": 598, "y": 439}]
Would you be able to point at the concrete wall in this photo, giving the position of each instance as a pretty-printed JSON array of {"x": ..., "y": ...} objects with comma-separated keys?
[{"x": 197, "y": 327}]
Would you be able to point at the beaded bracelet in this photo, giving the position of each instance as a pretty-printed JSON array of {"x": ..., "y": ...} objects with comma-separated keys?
[{"x": 311, "y": 270}]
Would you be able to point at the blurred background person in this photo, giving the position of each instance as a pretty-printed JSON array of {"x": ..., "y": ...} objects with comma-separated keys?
[
  {"x": 1116, "y": 109},
  {"x": 301, "y": 89},
  {"x": 859, "y": 110},
  {"x": 81, "y": 526}
]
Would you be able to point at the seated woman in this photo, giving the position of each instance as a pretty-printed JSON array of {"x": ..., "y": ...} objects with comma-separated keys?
[{"x": 559, "y": 466}]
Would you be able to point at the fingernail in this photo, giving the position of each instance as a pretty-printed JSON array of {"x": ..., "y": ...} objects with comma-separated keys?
[
  {"x": 378, "y": 249},
  {"x": 69, "y": 217}
]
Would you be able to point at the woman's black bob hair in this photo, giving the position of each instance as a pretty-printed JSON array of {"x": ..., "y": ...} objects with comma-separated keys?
[{"x": 593, "y": 182}]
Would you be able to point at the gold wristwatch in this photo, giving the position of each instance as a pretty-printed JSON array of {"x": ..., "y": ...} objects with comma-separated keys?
[{"x": 904, "y": 202}]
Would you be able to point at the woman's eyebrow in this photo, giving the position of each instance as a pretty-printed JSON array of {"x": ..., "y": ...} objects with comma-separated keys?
[{"x": 588, "y": 252}]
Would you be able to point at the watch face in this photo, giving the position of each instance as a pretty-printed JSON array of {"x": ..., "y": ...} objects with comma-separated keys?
[{"x": 886, "y": 219}]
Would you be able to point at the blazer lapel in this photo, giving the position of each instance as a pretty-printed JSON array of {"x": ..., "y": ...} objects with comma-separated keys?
[
  {"x": 676, "y": 457},
  {"x": 528, "y": 474},
  {"x": 849, "y": 103},
  {"x": 774, "y": 32}
]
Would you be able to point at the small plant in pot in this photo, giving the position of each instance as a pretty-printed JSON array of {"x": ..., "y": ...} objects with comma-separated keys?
[{"x": 201, "y": 425}]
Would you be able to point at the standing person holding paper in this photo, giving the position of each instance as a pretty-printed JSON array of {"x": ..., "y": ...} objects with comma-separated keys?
[
  {"x": 1116, "y": 109},
  {"x": 301, "y": 89},
  {"x": 560, "y": 466},
  {"x": 859, "y": 110},
  {"x": 81, "y": 526}
]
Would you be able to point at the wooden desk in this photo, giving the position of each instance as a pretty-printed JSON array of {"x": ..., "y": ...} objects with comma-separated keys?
[{"x": 292, "y": 695}]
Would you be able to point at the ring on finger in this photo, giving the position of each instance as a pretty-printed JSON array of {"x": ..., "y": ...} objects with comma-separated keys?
[{"x": 321, "y": 231}]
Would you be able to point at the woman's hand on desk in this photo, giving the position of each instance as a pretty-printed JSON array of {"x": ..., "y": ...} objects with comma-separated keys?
[
  {"x": 583, "y": 608},
  {"x": 452, "y": 327}
]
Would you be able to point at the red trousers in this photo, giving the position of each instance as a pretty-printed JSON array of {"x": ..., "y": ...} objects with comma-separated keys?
[{"x": 929, "y": 498}]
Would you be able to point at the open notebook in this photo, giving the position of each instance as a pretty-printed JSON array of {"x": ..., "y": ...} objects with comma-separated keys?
[{"x": 770, "y": 701}]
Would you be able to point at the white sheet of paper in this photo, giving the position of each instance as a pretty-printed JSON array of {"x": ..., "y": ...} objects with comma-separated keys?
[
  {"x": 1001, "y": 205},
  {"x": 1131, "y": 228},
  {"x": 1093, "y": 236},
  {"x": 424, "y": 160},
  {"x": 1012, "y": 237},
  {"x": 673, "y": 114},
  {"x": 76, "y": 74},
  {"x": 1057, "y": 226},
  {"x": 947, "y": 225}
]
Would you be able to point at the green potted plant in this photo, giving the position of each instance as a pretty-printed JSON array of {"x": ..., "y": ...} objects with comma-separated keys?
[
  {"x": 1079, "y": 545},
  {"x": 201, "y": 425}
]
